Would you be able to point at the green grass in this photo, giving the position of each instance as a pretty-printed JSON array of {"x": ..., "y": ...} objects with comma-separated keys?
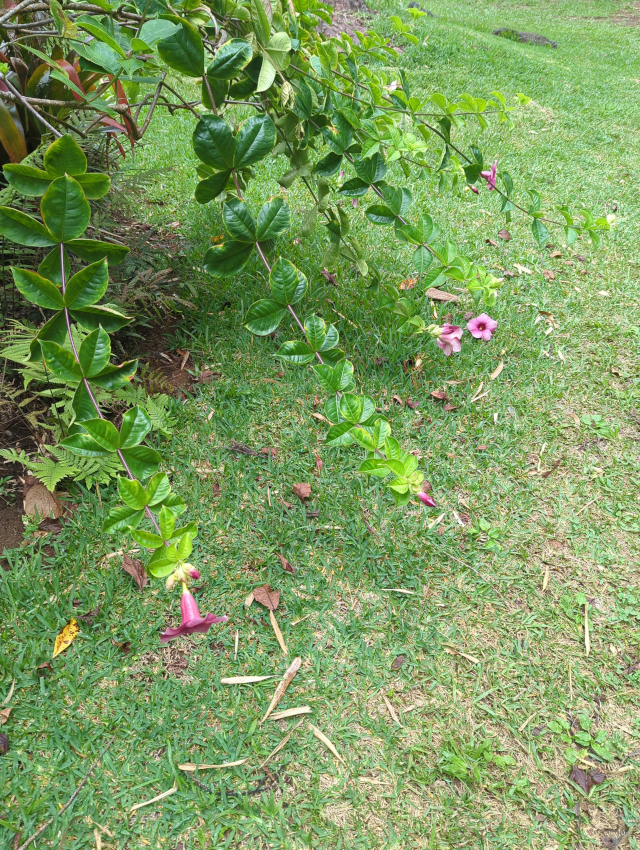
[{"x": 490, "y": 658}]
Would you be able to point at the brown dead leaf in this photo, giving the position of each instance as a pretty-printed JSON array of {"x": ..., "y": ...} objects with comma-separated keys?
[
  {"x": 586, "y": 779},
  {"x": 439, "y": 295},
  {"x": 134, "y": 568},
  {"x": 439, "y": 395},
  {"x": 4, "y": 714},
  {"x": 398, "y": 661},
  {"x": 185, "y": 357},
  {"x": 397, "y": 400},
  {"x": 318, "y": 465},
  {"x": 287, "y": 505},
  {"x": 266, "y": 596},
  {"x": 555, "y": 254},
  {"x": 283, "y": 685},
  {"x": 312, "y": 514},
  {"x": 125, "y": 646},
  {"x": 215, "y": 490},
  {"x": 4, "y": 744},
  {"x": 497, "y": 371},
  {"x": 320, "y": 417},
  {"x": 504, "y": 234},
  {"x": 548, "y": 275},
  {"x": 46, "y": 665},
  {"x": 302, "y": 491},
  {"x": 90, "y": 616},
  {"x": 269, "y": 451},
  {"x": 408, "y": 283},
  {"x": 286, "y": 566},
  {"x": 331, "y": 278},
  {"x": 481, "y": 448},
  {"x": 411, "y": 404},
  {"x": 66, "y": 637},
  {"x": 491, "y": 242},
  {"x": 450, "y": 407},
  {"x": 40, "y": 502},
  {"x": 208, "y": 375}
]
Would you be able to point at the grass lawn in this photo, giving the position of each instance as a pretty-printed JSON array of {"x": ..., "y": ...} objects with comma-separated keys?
[{"x": 482, "y": 659}]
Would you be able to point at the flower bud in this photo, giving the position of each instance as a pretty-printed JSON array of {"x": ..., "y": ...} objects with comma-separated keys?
[
  {"x": 171, "y": 582},
  {"x": 193, "y": 572},
  {"x": 426, "y": 499}
]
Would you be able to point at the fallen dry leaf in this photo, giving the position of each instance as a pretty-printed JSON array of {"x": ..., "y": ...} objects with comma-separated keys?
[
  {"x": 155, "y": 799},
  {"x": 66, "y": 637},
  {"x": 320, "y": 417},
  {"x": 522, "y": 269},
  {"x": 324, "y": 740},
  {"x": 269, "y": 451},
  {"x": 125, "y": 646},
  {"x": 331, "y": 278},
  {"x": 555, "y": 254},
  {"x": 243, "y": 680},
  {"x": 504, "y": 234},
  {"x": 398, "y": 661},
  {"x": 497, "y": 370},
  {"x": 41, "y": 503},
  {"x": 90, "y": 616},
  {"x": 46, "y": 665},
  {"x": 450, "y": 407},
  {"x": 397, "y": 400},
  {"x": 411, "y": 404},
  {"x": 286, "y": 565},
  {"x": 50, "y": 525},
  {"x": 391, "y": 710},
  {"x": 216, "y": 489},
  {"x": 4, "y": 715},
  {"x": 491, "y": 242},
  {"x": 134, "y": 568},
  {"x": 439, "y": 395},
  {"x": 291, "y": 712},
  {"x": 409, "y": 283},
  {"x": 208, "y": 375},
  {"x": 548, "y": 275},
  {"x": 190, "y": 767},
  {"x": 586, "y": 780},
  {"x": 302, "y": 491},
  {"x": 266, "y": 596},
  {"x": 241, "y": 449},
  {"x": 4, "y": 744},
  {"x": 249, "y": 600},
  {"x": 318, "y": 465},
  {"x": 290, "y": 672}
]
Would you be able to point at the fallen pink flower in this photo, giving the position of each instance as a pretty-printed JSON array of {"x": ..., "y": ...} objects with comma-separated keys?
[
  {"x": 192, "y": 621},
  {"x": 490, "y": 176},
  {"x": 194, "y": 573},
  {"x": 354, "y": 202},
  {"x": 426, "y": 499},
  {"x": 449, "y": 339},
  {"x": 482, "y": 327}
]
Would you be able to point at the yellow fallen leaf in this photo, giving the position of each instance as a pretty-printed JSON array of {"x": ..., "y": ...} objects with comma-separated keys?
[{"x": 66, "y": 637}]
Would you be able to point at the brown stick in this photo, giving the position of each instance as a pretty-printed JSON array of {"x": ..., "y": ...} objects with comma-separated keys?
[
  {"x": 30, "y": 108},
  {"x": 44, "y": 826}
]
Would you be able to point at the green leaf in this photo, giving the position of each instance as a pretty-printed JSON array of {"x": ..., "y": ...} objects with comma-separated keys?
[
  {"x": 374, "y": 466},
  {"x": 61, "y": 361},
  {"x": 141, "y": 460},
  {"x": 83, "y": 406},
  {"x": 230, "y": 59},
  {"x": 135, "y": 427},
  {"x": 267, "y": 75},
  {"x": 175, "y": 502},
  {"x": 183, "y": 51},
  {"x": 351, "y": 408},
  {"x": 213, "y": 92},
  {"x": 167, "y": 521},
  {"x": 65, "y": 210},
  {"x": 540, "y": 232},
  {"x": 332, "y": 409},
  {"x": 371, "y": 170},
  {"x": 94, "y": 186},
  {"x": 87, "y": 286},
  {"x": 264, "y": 316},
  {"x": 97, "y": 30},
  {"x": 273, "y": 219},
  {"x": 227, "y": 259},
  {"x": 339, "y": 134},
  {"x": 93, "y": 317},
  {"x": 95, "y": 353},
  {"x": 213, "y": 142},
  {"x": 159, "y": 488},
  {"x": 114, "y": 377},
  {"x": 121, "y": 518},
  {"x": 309, "y": 222},
  {"x": 330, "y": 341},
  {"x": 278, "y": 48},
  {"x": 238, "y": 221},
  {"x": 344, "y": 375},
  {"x": 51, "y": 269},
  {"x": 27, "y": 180},
  {"x": 65, "y": 156},
  {"x": 209, "y": 188},
  {"x": 328, "y": 165},
  {"x": 288, "y": 284},
  {"x": 315, "y": 330},
  {"x": 147, "y": 539},
  {"x": 363, "y": 438},
  {"x": 354, "y": 188},
  {"x": 380, "y": 214},
  {"x": 84, "y": 445},
  {"x": 261, "y": 25},
  {"x": 23, "y": 229},
  {"x": 297, "y": 352},
  {"x": 103, "y": 432},
  {"x": 256, "y": 138},
  {"x": 37, "y": 289},
  {"x": 422, "y": 259},
  {"x": 340, "y": 435},
  {"x": 92, "y": 250}
]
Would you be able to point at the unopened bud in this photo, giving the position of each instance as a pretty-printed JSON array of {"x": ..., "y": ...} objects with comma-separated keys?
[{"x": 194, "y": 573}]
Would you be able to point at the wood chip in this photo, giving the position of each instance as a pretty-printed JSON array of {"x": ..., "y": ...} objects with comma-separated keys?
[
  {"x": 291, "y": 712},
  {"x": 283, "y": 685},
  {"x": 155, "y": 799},
  {"x": 392, "y": 711},
  {"x": 324, "y": 740},
  {"x": 244, "y": 680},
  {"x": 497, "y": 371},
  {"x": 190, "y": 767},
  {"x": 439, "y": 295}
]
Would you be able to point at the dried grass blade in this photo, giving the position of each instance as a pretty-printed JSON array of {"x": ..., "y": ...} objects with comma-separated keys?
[
  {"x": 324, "y": 740},
  {"x": 190, "y": 767},
  {"x": 244, "y": 680},
  {"x": 282, "y": 687},
  {"x": 155, "y": 799},
  {"x": 278, "y": 633},
  {"x": 391, "y": 711},
  {"x": 291, "y": 712}
]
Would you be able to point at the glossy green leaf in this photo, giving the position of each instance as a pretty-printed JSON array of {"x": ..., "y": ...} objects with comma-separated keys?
[
  {"x": 354, "y": 188},
  {"x": 141, "y": 460},
  {"x": 37, "y": 289},
  {"x": 94, "y": 186},
  {"x": 147, "y": 539},
  {"x": 85, "y": 446},
  {"x": 373, "y": 466},
  {"x": 296, "y": 351},
  {"x": 65, "y": 210},
  {"x": 159, "y": 487},
  {"x": 267, "y": 75},
  {"x": 54, "y": 330},
  {"x": 167, "y": 522},
  {"x": 422, "y": 259},
  {"x": 332, "y": 409},
  {"x": 97, "y": 30},
  {"x": 340, "y": 435},
  {"x": 92, "y": 250},
  {"x": 328, "y": 165},
  {"x": 51, "y": 269},
  {"x": 114, "y": 377},
  {"x": 273, "y": 219},
  {"x": 214, "y": 143},
  {"x": 540, "y": 232},
  {"x": 288, "y": 284},
  {"x": 83, "y": 406},
  {"x": 213, "y": 92},
  {"x": 338, "y": 134},
  {"x": 371, "y": 170},
  {"x": 95, "y": 316},
  {"x": 261, "y": 23},
  {"x": 238, "y": 221},
  {"x": 231, "y": 58},
  {"x": 183, "y": 50},
  {"x": 256, "y": 138},
  {"x": 315, "y": 330},
  {"x": 135, "y": 427},
  {"x": 94, "y": 353},
  {"x": 87, "y": 286},
  {"x": 65, "y": 156},
  {"x": 344, "y": 374},
  {"x": 61, "y": 361},
  {"x": 175, "y": 502},
  {"x": 23, "y": 229},
  {"x": 263, "y": 317},
  {"x": 380, "y": 214},
  {"x": 103, "y": 432},
  {"x": 121, "y": 518},
  {"x": 227, "y": 259},
  {"x": 278, "y": 48},
  {"x": 209, "y": 188},
  {"x": 27, "y": 180},
  {"x": 351, "y": 408}
]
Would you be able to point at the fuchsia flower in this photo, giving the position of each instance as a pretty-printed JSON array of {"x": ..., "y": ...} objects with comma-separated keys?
[
  {"x": 490, "y": 176},
  {"x": 482, "y": 327},
  {"x": 194, "y": 573},
  {"x": 426, "y": 499},
  {"x": 474, "y": 189},
  {"x": 449, "y": 339},
  {"x": 192, "y": 621}
]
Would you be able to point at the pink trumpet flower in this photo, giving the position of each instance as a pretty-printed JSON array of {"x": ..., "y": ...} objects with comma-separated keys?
[
  {"x": 482, "y": 327},
  {"x": 192, "y": 621},
  {"x": 490, "y": 176},
  {"x": 427, "y": 500},
  {"x": 449, "y": 339}
]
